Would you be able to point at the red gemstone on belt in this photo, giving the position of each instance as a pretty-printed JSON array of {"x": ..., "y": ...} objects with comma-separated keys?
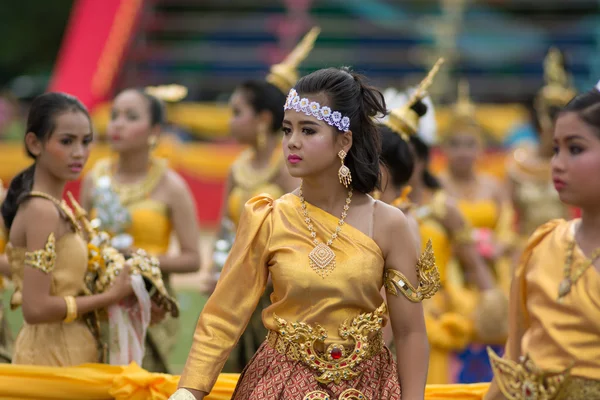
[{"x": 336, "y": 354}]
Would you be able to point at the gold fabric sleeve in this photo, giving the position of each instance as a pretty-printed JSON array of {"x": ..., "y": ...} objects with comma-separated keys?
[
  {"x": 518, "y": 320},
  {"x": 236, "y": 296},
  {"x": 45, "y": 258}
]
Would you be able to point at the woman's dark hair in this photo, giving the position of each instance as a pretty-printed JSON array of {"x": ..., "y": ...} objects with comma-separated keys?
[
  {"x": 422, "y": 150},
  {"x": 158, "y": 115},
  {"x": 350, "y": 94},
  {"x": 263, "y": 96},
  {"x": 397, "y": 156},
  {"x": 40, "y": 121},
  {"x": 587, "y": 106}
]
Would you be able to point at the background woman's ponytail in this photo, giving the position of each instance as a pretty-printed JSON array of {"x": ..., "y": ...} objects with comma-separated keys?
[{"x": 41, "y": 122}]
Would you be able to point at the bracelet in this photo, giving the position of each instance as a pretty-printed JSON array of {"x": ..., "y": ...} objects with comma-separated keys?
[{"x": 71, "y": 309}]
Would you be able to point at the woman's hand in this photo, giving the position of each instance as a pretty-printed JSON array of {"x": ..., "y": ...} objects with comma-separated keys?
[
  {"x": 122, "y": 288},
  {"x": 157, "y": 313}
]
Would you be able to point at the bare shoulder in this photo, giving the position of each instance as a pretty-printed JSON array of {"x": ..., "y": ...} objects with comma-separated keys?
[
  {"x": 39, "y": 210},
  {"x": 174, "y": 183},
  {"x": 36, "y": 219},
  {"x": 391, "y": 227}
]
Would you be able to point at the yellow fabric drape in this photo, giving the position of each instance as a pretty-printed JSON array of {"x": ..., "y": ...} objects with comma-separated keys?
[{"x": 99, "y": 381}]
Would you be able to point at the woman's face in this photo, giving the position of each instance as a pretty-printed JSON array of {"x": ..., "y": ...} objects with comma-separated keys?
[
  {"x": 311, "y": 146},
  {"x": 244, "y": 121},
  {"x": 576, "y": 161},
  {"x": 462, "y": 151},
  {"x": 67, "y": 149},
  {"x": 130, "y": 123}
]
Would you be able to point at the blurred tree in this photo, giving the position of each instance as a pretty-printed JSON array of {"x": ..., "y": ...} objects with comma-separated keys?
[{"x": 30, "y": 35}]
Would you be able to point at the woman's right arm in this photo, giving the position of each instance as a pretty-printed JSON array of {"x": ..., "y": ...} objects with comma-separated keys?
[
  {"x": 235, "y": 298},
  {"x": 39, "y": 305}
]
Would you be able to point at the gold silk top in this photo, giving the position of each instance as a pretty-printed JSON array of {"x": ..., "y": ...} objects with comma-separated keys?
[
  {"x": 248, "y": 183},
  {"x": 151, "y": 224},
  {"x": 536, "y": 200},
  {"x": 479, "y": 213},
  {"x": 273, "y": 238},
  {"x": 555, "y": 335}
]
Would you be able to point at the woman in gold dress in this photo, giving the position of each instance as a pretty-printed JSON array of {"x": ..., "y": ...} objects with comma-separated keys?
[
  {"x": 257, "y": 115},
  {"x": 453, "y": 318},
  {"x": 482, "y": 201},
  {"x": 47, "y": 251},
  {"x": 141, "y": 201},
  {"x": 327, "y": 310},
  {"x": 552, "y": 350},
  {"x": 533, "y": 196}
]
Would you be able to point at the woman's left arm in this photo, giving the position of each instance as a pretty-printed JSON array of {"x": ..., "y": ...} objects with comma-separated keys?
[
  {"x": 407, "y": 320},
  {"x": 185, "y": 225}
]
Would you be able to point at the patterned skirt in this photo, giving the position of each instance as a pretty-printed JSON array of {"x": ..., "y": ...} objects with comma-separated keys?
[{"x": 273, "y": 376}]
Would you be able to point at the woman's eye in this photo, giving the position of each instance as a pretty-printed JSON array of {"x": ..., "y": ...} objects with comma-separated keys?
[
  {"x": 575, "y": 149},
  {"x": 308, "y": 131},
  {"x": 286, "y": 131},
  {"x": 66, "y": 141}
]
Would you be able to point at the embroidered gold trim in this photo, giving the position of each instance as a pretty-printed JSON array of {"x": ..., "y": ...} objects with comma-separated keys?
[
  {"x": 297, "y": 341},
  {"x": 524, "y": 380},
  {"x": 45, "y": 258},
  {"x": 350, "y": 394},
  {"x": 427, "y": 273},
  {"x": 576, "y": 388}
]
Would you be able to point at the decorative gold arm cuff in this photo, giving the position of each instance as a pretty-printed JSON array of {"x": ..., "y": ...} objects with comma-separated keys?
[
  {"x": 71, "y": 309},
  {"x": 427, "y": 273}
]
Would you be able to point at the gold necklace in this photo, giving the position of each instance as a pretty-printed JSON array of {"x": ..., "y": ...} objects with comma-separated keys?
[
  {"x": 130, "y": 193},
  {"x": 248, "y": 177},
  {"x": 322, "y": 258},
  {"x": 571, "y": 278}
]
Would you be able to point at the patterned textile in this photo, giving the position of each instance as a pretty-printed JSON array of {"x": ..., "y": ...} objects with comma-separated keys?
[{"x": 272, "y": 376}]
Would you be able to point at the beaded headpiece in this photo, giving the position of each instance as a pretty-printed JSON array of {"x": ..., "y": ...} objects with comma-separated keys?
[
  {"x": 405, "y": 121},
  {"x": 314, "y": 109},
  {"x": 284, "y": 75},
  {"x": 558, "y": 90}
]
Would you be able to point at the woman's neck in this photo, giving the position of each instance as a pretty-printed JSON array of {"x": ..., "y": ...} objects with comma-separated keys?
[
  {"x": 262, "y": 155},
  {"x": 588, "y": 232},
  {"x": 45, "y": 182},
  {"x": 325, "y": 192},
  {"x": 133, "y": 164}
]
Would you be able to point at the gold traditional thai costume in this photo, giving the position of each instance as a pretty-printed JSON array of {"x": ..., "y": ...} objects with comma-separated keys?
[
  {"x": 248, "y": 182},
  {"x": 148, "y": 223},
  {"x": 536, "y": 201},
  {"x": 65, "y": 259},
  {"x": 324, "y": 331},
  {"x": 552, "y": 350}
]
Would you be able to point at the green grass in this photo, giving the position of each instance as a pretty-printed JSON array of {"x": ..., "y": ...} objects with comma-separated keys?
[{"x": 190, "y": 302}]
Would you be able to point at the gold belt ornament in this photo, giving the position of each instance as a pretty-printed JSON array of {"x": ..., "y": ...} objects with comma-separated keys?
[
  {"x": 297, "y": 341},
  {"x": 524, "y": 380}
]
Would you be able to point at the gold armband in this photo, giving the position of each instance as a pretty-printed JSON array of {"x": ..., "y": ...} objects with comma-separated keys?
[
  {"x": 427, "y": 273},
  {"x": 464, "y": 235},
  {"x": 182, "y": 394},
  {"x": 71, "y": 309},
  {"x": 43, "y": 259},
  {"x": 524, "y": 380}
]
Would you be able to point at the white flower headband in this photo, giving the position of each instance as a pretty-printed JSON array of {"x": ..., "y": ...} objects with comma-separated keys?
[{"x": 314, "y": 109}]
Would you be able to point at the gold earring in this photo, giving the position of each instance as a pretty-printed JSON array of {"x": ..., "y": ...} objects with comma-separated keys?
[
  {"x": 152, "y": 142},
  {"x": 344, "y": 172},
  {"x": 261, "y": 137}
]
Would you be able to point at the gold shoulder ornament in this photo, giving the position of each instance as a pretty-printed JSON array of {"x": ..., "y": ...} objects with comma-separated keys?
[
  {"x": 45, "y": 258},
  {"x": 427, "y": 273},
  {"x": 524, "y": 380}
]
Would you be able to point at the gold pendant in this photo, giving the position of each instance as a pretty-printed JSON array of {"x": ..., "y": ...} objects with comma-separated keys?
[
  {"x": 564, "y": 288},
  {"x": 322, "y": 259}
]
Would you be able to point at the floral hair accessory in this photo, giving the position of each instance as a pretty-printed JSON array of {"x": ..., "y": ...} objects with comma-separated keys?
[{"x": 314, "y": 109}]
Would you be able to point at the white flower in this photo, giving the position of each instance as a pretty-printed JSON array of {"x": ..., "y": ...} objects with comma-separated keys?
[
  {"x": 295, "y": 100},
  {"x": 336, "y": 116},
  {"x": 303, "y": 103},
  {"x": 326, "y": 112},
  {"x": 314, "y": 108},
  {"x": 345, "y": 124}
]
